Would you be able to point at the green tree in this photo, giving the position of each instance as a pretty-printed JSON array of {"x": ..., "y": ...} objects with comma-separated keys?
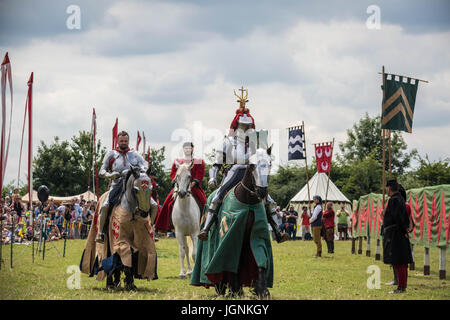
[
  {"x": 83, "y": 153},
  {"x": 365, "y": 138},
  {"x": 287, "y": 182},
  {"x": 64, "y": 167},
  {"x": 157, "y": 157},
  {"x": 363, "y": 177},
  {"x": 432, "y": 173}
]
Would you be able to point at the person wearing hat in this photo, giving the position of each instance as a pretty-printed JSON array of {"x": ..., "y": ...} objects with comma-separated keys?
[
  {"x": 164, "y": 221},
  {"x": 316, "y": 224},
  {"x": 396, "y": 245}
]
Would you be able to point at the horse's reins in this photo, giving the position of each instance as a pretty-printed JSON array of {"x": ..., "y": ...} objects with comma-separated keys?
[
  {"x": 253, "y": 193},
  {"x": 136, "y": 209}
]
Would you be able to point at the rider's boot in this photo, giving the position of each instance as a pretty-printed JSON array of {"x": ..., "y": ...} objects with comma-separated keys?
[
  {"x": 211, "y": 218},
  {"x": 261, "y": 285},
  {"x": 235, "y": 286},
  {"x": 129, "y": 280},
  {"x": 101, "y": 224}
]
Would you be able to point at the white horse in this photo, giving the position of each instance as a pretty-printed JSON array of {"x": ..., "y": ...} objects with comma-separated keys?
[{"x": 185, "y": 215}]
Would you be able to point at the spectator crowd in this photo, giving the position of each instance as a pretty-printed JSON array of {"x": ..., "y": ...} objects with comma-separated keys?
[{"x": 52, "y": 221}]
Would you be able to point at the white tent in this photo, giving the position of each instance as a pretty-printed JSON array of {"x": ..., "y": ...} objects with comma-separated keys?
[
  {"x": 88, "y": 196},
  {"x": 318, "y": 186}
]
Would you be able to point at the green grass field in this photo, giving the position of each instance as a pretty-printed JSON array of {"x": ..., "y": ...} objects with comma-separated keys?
[{"x": 297, "y": 276}]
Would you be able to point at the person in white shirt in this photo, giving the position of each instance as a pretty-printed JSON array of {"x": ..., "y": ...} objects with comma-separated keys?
[{"x": 316, "y": 224}]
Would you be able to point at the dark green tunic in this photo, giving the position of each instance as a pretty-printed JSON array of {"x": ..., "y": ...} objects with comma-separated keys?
[{"x": 238, "y": 243}]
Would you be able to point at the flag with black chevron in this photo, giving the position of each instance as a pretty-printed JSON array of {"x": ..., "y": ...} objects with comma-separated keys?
[
  {"x": 296, "y": 144},
  {"x": 398, "y": 104}
]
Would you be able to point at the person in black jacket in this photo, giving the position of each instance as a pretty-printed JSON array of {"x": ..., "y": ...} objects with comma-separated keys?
[{"x": 396, "y": 245}]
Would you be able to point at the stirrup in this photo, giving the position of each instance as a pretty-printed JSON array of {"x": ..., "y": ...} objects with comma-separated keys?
[{"x": 100, "y": 238}]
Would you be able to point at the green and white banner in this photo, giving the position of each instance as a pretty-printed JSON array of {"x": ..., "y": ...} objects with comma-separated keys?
[{"x": 398, "y": 104}]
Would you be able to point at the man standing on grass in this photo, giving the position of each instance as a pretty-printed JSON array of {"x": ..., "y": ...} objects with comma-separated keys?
[
  {"x": 396, "y": 245},
  {"x": 291, "y": 219},
  {"x": 342, "y": 223},
  {"x": 316, "y": 224}
]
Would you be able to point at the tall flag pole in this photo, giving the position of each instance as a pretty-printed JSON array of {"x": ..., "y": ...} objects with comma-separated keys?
[
  {"x": 94, "y": 151},
  {"x": 397, "y": 111},
  {"x": 297, "y": 150},
  {"x": 4, "y": 145},
  {"x": 306, "y": 164},
  {"x": 30, "y": 155},
  {"x": 329, "y": 172},
  {"x": 91, "y": 162},
  {"x": 114, "y": 134},
  {"x": 21, "y": 141},
  {"x": 138, "y": 142}
]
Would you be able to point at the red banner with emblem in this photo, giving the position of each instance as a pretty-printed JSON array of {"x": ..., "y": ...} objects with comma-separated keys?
[{"x": 324, "y": 154}]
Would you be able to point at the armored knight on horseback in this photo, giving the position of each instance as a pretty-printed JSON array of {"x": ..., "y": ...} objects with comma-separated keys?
[
  {"x": 237, "y": 149},
  {"x": 116, "y": 165}
]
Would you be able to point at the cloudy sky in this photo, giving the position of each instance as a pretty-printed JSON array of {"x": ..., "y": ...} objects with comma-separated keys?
[{"x": 169, "y": 68}]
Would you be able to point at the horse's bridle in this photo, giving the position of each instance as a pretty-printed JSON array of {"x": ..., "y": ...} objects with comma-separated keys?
[
  {"x": 176, "y": 186},
  {"x": 142, "y": 213}
]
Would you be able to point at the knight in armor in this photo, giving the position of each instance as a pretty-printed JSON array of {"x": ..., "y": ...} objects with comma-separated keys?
[
  {"x": 236, "y": 151},
  {"x": 164, "y": 222},
  {"x": 115, "y": 167}
]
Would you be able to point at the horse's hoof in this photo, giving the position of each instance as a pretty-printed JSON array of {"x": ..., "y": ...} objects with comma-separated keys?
[
  {"x": 131, "y": 287},
  {"x": 203, "y": 236},
  {"x": 264, "y": 295},
  {"x": 182, "y": 276}
]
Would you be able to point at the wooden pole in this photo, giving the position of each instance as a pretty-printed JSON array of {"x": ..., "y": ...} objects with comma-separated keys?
[
  {"x": 383, "y": 183},
  {"x": 306, "y": 163},
  {"x": 1, "y": 241},
  {"x": 378, "y": 250},
  {"x": 402, "y": 76},
  {"x": 442, "y": 263},
  {"x": 412, "y": 265},
  {"x": 328, "y": 182},
  {"x": 360, "y": 245},
  {"x": 12, "y": 239},
  {"x": 390, "y": 154},
  {"x": 426, "y": 264}
]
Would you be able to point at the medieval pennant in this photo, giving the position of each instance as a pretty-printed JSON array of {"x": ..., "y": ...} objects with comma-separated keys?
[
  {"x": 398, "y": 104},
  {"x": 324, "y": 154},
  {"x": 296, "y": 144}
]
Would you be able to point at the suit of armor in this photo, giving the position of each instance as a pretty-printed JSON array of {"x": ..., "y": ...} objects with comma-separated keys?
[
  {"x": 236, "y": 151},
  {"x": 115, "y": 167}
]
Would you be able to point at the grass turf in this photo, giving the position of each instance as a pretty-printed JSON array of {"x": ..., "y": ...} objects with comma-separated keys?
[{"x": 297, "y": 275}]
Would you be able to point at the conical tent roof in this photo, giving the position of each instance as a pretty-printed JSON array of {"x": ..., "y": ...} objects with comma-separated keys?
[{"x": 318, "y": 186}]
